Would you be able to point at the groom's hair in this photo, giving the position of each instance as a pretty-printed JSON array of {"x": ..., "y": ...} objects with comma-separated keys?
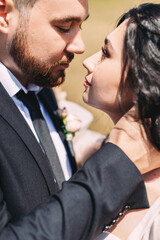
[{"x": 21, "y": 4}]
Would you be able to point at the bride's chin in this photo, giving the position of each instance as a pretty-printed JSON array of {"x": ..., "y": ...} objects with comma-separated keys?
[{"x": 85, "y": 97}]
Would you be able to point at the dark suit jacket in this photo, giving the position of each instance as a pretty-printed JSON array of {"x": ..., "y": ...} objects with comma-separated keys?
[
  {"x": 87, "y": 202},
  {"x": 91, "y": 199},
  {"x": 26, "y": 177}
]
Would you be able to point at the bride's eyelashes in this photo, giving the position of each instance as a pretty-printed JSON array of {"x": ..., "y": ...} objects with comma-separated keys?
[{"x": 105, "y": 52}]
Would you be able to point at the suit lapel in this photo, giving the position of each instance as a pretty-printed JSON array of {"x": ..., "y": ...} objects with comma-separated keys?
[
  {"x": 48, "y": 98},
  {"x": 11, "y": 114}
]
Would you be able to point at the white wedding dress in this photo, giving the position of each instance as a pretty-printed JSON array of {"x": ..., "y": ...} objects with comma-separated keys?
[{"x": 147, "y": 229}]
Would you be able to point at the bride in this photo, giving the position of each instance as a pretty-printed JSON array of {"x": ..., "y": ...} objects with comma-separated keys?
[{"x": 125, "y": 75}]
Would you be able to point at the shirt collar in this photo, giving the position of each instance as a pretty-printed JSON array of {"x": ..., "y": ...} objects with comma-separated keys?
[{"x": 11, "y": 83}]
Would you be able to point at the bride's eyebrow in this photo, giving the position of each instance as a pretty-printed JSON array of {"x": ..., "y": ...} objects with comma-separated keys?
[{"x": 108, "y": 43}]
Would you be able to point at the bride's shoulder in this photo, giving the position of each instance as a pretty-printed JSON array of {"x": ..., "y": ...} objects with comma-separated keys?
[{"x": 148, "y": 228}]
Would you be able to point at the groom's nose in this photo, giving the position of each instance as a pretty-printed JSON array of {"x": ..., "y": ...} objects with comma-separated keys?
[{"x": 91, "y": 62}]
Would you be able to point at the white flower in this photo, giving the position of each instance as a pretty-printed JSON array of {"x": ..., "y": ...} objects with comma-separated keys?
[{"x": 71, "y": 121}]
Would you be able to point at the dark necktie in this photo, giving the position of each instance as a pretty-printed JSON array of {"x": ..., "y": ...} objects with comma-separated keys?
[{"x": 39, "y": 123}]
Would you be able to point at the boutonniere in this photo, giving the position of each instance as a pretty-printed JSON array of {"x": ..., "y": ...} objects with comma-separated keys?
[{"x": 71, "y": 123}]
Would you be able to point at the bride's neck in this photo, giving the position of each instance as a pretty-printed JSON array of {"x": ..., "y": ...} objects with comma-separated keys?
[{"x": 115, "y": 116}]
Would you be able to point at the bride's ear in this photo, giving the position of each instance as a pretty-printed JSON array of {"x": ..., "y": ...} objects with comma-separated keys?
[
  {"x": 134, "y": 99},
  {"x": 6, "y": 6}
]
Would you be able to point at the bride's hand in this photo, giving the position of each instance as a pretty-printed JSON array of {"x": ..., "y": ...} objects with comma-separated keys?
[{"x": 129, "y": 135}]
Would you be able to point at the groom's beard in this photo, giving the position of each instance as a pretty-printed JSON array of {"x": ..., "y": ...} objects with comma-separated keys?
[{"x": 34, "y": 71}]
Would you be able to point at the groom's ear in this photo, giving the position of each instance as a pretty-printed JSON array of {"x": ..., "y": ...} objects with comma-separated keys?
[{"x": 6, "y": 7}]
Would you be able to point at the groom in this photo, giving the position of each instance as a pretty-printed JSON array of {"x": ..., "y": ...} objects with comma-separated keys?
[{"x": 38, "y": 40}]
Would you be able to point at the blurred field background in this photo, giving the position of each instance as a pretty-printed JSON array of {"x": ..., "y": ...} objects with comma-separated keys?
[{"x": 103, "y": 17}]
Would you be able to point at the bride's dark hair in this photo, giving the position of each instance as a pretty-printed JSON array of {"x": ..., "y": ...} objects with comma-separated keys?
[{"x": 142, "y": 65}]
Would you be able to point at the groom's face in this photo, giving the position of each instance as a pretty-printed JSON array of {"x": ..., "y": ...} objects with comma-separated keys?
[{"x": 46, "y": 39}]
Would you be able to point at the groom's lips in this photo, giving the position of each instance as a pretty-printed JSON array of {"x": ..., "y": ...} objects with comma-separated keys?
[
  {"x": 63, "y": 64},
  {"x": 87, "y": 84}
]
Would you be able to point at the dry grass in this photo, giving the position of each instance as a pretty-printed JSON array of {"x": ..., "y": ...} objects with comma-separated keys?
[{"x": 103, "y": 17}]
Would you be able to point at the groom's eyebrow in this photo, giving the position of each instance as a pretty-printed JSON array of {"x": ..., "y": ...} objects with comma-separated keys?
[{"x": 70, "y": 19}]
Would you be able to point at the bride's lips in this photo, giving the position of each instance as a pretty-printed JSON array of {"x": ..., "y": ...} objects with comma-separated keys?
[{"x": 87, "y": 84}]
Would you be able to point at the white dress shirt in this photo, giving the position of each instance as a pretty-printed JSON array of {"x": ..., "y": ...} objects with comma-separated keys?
[{"x": 13, "y": 86}]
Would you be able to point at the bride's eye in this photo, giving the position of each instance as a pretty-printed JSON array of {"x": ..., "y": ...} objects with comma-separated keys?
[{"x": 105, "y": 52}]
